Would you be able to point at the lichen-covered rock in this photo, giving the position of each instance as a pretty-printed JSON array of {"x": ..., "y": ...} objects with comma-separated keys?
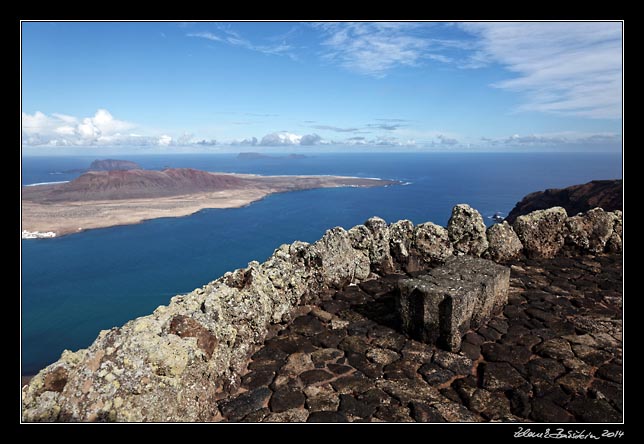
[
  {"x": 503, "y": 242},
  {"x": 590, "y": 231},
  {"x": 467, "y": 230},
  {"x": 340, "y": 263},
  {"x": 401, "y": 238},
  {"x": 542, "y": 232},
  {"x": 361, "y": 238},
  {"x": 431, "y": 244},
  {"x": 381, "y": 261},
  {"x": 614, "y": 243},
  {"x": 172, "y": 364}
]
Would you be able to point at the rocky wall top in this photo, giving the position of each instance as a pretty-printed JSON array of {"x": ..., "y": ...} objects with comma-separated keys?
[{"x": 174, "y": 364}]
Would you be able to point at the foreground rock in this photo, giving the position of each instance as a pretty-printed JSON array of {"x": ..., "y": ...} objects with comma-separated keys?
[
  {"x": 467, "y": 230},
  {"x": 503, "y": 242},
  {"x": 606, "y": 194},
  {"x": 440, "y": 306},
  {"x": 187, "y": 361},
  {"x": 553, "y": 355},
  {"x": 542, "y": 232}
]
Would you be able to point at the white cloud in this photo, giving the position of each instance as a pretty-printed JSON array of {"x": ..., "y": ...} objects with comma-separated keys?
[
  {"x": 569, "y": 139},
  {"x": 310, "y": 139},
  {"x": 443, "y": 140},
  {"x": 206, "y": 35},
  {"x": 375, "y": 48},
  {"x": 252, "y": 141},
  {"x": 565, "y": 68},
  {"x": 235, "y": 39},
  {"x": 387, "y": 141},
  {"x": 101, "y": 129},
  {"x": 280, "y": 139},
  {"x": 165, "y": 140}
]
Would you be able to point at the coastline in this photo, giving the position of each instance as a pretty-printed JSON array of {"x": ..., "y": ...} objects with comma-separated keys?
[
  {"x": 51, "y": 219},
  {"x": 67, "y": 218}
]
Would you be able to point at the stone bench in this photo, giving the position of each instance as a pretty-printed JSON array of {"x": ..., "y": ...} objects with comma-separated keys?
[{"x": 441, "y": 306}]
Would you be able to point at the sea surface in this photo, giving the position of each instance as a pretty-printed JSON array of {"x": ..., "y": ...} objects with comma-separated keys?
[{"x": 76, "y": 285}]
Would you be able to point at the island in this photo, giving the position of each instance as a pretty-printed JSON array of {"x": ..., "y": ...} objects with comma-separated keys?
[
  {"x": 113, "y": 165},
  {"x": 105, "y": 165},
  {"x": 258, "y": 156},
  {"x": 99, "y": 199}
]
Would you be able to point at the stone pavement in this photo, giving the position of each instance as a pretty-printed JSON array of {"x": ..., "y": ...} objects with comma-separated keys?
[{"x": 554, "y": 355}]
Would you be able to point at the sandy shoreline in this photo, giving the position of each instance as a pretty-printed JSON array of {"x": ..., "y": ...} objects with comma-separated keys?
[{"x": 67, "y": 217}]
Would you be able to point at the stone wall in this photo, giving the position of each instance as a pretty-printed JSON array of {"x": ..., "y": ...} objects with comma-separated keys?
[{"x": 174, "y": 364}]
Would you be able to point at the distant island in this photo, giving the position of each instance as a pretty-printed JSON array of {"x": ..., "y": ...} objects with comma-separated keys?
[
  {"x": 253, "y": 156},
  {"x": 107, "y": 165},
  {"x": 100, "y": 199},
  {"x": 113, "y": 165}
]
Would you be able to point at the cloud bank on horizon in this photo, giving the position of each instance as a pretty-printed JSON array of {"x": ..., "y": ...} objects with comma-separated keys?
[{"x": 398, "y": 85}]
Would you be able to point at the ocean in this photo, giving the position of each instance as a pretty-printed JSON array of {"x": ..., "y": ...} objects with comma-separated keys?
[{"x": 76, "y": 285}]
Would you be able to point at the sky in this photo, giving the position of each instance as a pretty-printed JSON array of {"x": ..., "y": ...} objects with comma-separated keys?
[{"x": 161, "y": 87}]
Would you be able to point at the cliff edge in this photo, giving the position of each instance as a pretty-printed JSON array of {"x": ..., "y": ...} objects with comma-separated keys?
[
  {"x": 180, "y": 362},
  {"x": 606, "y": 194}
]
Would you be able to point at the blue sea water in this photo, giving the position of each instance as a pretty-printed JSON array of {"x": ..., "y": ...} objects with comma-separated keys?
[{"x": 76, "y": 285}]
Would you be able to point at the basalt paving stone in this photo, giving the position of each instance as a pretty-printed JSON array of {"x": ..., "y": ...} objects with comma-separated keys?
[
  {"x": 544, "y": 410},
  {"x": 329, "y": 338},
  {"x": 256, "y": 379},
  {"x": 235, "y": 409},
  {"x": 594, "y": 410},
  {"x": 610, "y": 391},
  {"x": 434, "y": 374},
  {"x": 307, "y": 325},
  {"x": 355, "y": 383},
  {"x": 339, "y": 369},
  {"x": 310, "y": 377},
  {"x": 326, "y": 416},
  {"x": 554, "y": 355},
  {"x": 403, "y": 369},
  {"x": 351, "y": 406},
  {"x": 393, "y": 413},
  {"x": 422, "y": 412},
  {"x": 470, "y": 350},
  {"x": 285, "y": 398},
  {"x": 451, "y": 394},
  {"x": 610, "y": 372},
  {"x": 361, "y": 363},
  {"x": 513, "y": 354}
]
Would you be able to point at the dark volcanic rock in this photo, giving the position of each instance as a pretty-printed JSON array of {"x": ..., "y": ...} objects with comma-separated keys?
[
  {"x": 606, "y": 194},
  {"x": 422, "y": 412},
  {"x": 285, "y": 399},
  {"x": 442, "y": 305},
  {"x": 325, "y": 416},
  {"x": 236, "y": 408},
  {"x": 186, "y": 327}
]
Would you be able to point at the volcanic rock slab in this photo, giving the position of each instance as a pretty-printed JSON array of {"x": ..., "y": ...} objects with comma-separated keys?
[{"x": 442, "y": 305}]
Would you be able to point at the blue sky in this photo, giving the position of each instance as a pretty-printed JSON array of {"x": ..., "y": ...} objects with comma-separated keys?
[{"x": 157, "y": 87}]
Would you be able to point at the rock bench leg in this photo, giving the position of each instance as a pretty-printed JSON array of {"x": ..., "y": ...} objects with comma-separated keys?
[{"x": 442, "y": 305}]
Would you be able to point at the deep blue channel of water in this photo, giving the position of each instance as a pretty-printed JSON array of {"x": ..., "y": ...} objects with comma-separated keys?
[{"x": 77, "y": 285}]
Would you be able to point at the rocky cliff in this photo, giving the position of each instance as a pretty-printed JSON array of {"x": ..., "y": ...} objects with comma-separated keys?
[
  {"x": 606, "y": 194},
  {"x": 178, "y": 362}
]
